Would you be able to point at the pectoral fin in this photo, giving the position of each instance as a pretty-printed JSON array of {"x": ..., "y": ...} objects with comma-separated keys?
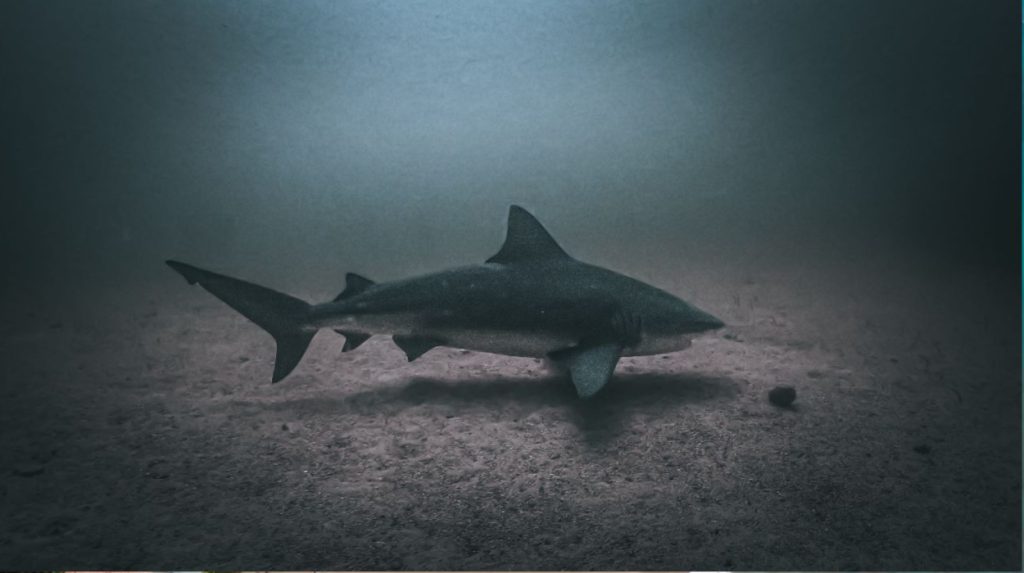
[{"x": 590, "y": 366}]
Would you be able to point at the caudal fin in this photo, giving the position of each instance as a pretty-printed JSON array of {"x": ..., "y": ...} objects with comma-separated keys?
[{"x": 281, "y": 315}]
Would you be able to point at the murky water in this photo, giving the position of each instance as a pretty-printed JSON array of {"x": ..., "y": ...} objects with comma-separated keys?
[{"x": 839, "y": 182}]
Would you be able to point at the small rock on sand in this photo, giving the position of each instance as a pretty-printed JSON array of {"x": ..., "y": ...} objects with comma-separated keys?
[{"x": 782, "y": 396}]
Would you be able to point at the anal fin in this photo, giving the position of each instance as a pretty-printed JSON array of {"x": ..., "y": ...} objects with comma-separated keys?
[
  {"x": 415, "y": 346},
  {"x": 590, "y": 365},
  {"x": 352, "y": 339}
]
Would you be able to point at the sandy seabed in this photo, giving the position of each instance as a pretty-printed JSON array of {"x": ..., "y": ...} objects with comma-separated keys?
[{"x": 140, "y": 430}]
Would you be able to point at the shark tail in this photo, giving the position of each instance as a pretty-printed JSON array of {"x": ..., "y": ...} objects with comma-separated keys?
[{"x": 283, "y": 316}]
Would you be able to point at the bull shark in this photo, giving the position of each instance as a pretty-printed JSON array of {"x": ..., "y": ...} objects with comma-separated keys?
[{"x": 530, "y": 299}]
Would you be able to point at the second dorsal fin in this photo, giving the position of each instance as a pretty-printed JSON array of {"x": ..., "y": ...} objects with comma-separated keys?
[
  {"x": 527, "y": 240},
  {"x": 354, "y": 284}
]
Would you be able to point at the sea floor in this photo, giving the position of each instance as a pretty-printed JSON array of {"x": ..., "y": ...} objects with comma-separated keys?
[{"x": 140, "y": 430}]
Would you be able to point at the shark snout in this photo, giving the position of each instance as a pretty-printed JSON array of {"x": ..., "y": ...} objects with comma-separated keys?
[
  {"x": 704, "y": 322},
  {"x": 713, "y": 324}
]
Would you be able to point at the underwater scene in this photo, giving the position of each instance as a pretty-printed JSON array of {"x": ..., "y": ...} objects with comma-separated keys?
[{"x": 443, "y": 285}]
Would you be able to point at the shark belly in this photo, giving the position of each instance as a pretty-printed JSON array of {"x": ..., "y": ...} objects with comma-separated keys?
[
  {"x": 651, "y": 346},
  {"x": 509, "y": 343},
  {"x": 392, "y": 323}
]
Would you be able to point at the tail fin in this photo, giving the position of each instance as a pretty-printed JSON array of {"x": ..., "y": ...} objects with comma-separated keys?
[{"x": 279, "y": 314}]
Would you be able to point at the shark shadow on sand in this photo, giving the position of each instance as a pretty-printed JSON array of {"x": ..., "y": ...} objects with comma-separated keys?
[{"x": 599, "y": 419}]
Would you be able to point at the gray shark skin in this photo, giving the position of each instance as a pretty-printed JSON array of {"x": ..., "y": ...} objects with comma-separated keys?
[{"x": 530, "y": 299}]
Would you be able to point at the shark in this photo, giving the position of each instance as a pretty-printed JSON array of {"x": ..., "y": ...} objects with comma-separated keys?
[{"x": 531, "y": 299}]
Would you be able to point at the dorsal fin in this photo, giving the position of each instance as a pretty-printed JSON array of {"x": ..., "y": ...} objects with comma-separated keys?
[
  {"x": 354, "y": 284},
  {"x": 526, "y": 240}
]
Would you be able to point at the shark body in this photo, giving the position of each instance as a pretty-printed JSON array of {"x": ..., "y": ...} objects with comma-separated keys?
[{"x": 530, "y": 299}]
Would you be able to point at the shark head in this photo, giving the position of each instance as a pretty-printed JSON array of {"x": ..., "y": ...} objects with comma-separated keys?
[
  {"x": 645, "y": 319},
  {"x": 680, "y": 318},
  {"x": 667, "y": 323}
]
